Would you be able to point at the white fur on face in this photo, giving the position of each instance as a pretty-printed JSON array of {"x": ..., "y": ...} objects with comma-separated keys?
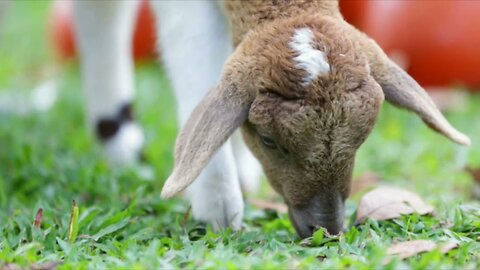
[{"x": 309, "y": 59}]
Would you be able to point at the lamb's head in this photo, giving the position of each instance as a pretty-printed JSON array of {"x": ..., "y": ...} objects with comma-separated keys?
[
  {"x": 315, "y": 103},
  {"x": 306, "y": 95}
]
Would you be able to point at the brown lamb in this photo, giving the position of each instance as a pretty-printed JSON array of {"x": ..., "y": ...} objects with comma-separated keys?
[{"x": 306, "y": 88}]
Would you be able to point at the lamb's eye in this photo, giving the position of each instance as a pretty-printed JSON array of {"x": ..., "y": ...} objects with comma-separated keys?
[
  {"x": 355, "y": 86},
  {"x": 268, "y": 142}
]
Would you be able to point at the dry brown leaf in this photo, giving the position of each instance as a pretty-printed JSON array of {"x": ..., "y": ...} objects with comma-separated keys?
[
  {"x": 10, "y": 266},
  {"x": 446, "y": 247},
  {"x": 388, "y": 202},
  {"x": 35, "y": 266},
  {"x": 268, "y": 205},
  {"x": 45, "y": 266},
  {"x": 38, "y": 218},
  {"x": 411, "y": 248},
  {"x": 364, "y": 182}
]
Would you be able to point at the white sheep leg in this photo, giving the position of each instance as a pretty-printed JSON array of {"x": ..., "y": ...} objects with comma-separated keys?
[
  {"x": 249, "y": 169},
  {"x": 104, "y": 32},
  {"x": 194, "y": 41}
]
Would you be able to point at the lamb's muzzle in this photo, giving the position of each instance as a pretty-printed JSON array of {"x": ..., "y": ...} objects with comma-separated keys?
[{"x": 327, "y": 212}]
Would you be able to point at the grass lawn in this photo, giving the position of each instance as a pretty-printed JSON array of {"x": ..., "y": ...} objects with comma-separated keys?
[{"x": 49, "y": 159}]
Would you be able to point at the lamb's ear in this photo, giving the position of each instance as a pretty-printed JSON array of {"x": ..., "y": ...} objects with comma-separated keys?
[
  {"x": 403, "y": 91},
  {"x": 212, "y": 122}
]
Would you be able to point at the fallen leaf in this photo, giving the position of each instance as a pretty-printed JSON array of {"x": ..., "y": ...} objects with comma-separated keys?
[
  {"x": 388, "y": 202},
  {"x": 411, "y": 248},
  {"x": 45, "y": 266},
  {"x": 408, "y": 249},
  {"x": 446, "y": 247},
  {"x": 364, "y": 182},
  {"x": 38, "y": 218},
  {"x": 35, "y": 266},
  {"x": 268, "y": 205},
  {"x": 10, "y": 266}
]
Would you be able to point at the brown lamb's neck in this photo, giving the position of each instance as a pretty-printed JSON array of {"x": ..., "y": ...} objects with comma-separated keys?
[{"x": 244, "y": 16}]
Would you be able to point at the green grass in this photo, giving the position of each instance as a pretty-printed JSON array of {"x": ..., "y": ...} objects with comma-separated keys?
[{"x": 49, "y": 159}]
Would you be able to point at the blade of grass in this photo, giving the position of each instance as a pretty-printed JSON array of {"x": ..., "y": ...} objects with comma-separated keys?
[{"x": 73, "y": 224}]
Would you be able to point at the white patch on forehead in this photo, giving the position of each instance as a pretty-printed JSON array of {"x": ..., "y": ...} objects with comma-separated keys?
[{"x": 309, "y": 59}]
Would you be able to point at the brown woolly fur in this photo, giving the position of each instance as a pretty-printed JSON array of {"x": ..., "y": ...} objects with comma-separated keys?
[
  {"x": 317, "y": 128},
  {"x": 304, "y": 135},
  {"x": 247, "y": 15}
]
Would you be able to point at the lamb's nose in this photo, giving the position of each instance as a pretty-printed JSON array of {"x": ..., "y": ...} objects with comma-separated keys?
[
  {"x": 328, "y": 214},
  {"x": 306, "y": 224},
  {"x": 333, "y": 223}
]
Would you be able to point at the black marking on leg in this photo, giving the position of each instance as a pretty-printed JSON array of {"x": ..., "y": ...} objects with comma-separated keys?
[{"x": 108, "y": 127}]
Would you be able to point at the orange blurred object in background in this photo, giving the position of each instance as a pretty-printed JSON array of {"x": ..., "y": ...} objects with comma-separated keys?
[
  {"x": 440, "y": 40},
  {"x": 144, "y": 38},
  {"x": 63, "y": 38},
  {"x": 61, "y": 28}
]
